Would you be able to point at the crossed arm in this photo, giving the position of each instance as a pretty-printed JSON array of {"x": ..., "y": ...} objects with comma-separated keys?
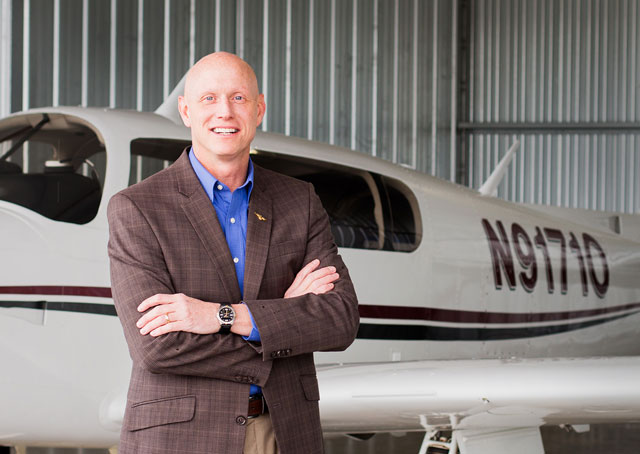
[
  {"x": 178, "y": 312},
  {"x": 317, "y": 312}
]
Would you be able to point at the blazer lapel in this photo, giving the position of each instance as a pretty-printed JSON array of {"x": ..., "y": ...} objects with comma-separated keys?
[
  {"x": 259, "y": 221},
  {"x": 202, "y": 216}
]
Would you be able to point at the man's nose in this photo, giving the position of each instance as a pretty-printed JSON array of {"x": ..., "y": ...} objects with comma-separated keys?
[{"x": 224, "y": 108}]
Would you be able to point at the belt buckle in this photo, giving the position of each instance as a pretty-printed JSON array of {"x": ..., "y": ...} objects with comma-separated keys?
[{"x": 262, "y": 406}]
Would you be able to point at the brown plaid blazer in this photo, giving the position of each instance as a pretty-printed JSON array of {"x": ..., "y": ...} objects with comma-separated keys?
[{"x": 189, "y": 393}]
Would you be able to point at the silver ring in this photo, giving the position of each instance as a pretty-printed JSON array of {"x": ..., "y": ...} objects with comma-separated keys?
[{"x": 166, "y": 317}]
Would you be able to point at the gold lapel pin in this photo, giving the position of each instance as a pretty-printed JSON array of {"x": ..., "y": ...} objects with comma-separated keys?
[{"x": 259, "y": 216}]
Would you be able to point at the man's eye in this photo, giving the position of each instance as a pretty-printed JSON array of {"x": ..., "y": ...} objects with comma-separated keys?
[
  {"x": 238, "y": 98},
  {"x": 208, "y": 98}
]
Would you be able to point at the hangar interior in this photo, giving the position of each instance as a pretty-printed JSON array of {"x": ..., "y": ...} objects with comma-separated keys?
[{"x": 443, "y": 87}]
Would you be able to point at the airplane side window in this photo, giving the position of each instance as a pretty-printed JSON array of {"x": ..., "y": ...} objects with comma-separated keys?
[
  {"x": 350, "y": 206},
  {"x": 56, "y": 171},
  {"x": 151, "y": 155},
  {"x": 380, "y": 215},
  {"x": 366, "y": 210},
  {"x": 399, "y": 206}
]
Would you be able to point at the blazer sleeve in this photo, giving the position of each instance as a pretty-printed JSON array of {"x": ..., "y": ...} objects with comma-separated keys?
[
  {"x": 138, "y": 270},
  {"x": 310, "y": 323}
]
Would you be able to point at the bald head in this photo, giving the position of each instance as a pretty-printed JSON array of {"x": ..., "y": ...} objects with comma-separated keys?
[
  {"x": 220, "y": 64},
  {"x": 223, "y": 107}
]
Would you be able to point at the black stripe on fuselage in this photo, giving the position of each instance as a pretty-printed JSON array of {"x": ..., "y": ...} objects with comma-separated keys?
[
  {"x": 65, "y": 306},
  {"x": 446, "y": 333},
  {"x": 366, "y": 330}
]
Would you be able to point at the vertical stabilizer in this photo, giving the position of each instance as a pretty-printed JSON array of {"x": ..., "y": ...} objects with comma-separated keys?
[
  {"x": 490, "y": 187},
  {"x": 169, "y": 108}
]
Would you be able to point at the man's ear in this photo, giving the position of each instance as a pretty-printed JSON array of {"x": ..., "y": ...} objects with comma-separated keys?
[
  {"x": 262, "y": 108},
  {"x": 184, "y": 111}
]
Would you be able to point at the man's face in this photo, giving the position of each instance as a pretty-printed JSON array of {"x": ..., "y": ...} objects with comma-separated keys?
[{"x": 222, "y": 107}]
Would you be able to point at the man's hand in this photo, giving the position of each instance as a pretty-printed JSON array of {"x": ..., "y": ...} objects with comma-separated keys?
[
  {"x": 179, "y": 312},
  {"x": 167, "y": 313},
  {"x": 309, "y": 281}
]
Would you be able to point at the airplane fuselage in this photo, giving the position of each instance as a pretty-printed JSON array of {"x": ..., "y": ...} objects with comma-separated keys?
[{"x": 485, "y": 279}]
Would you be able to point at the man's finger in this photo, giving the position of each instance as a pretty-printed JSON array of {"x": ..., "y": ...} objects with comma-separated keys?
[
  {"x": 318, "y": 274},
  {"x": 153, "y": 324},
  {"x": 323, "y": 289},
  {"x": 293, "y": 289},
  {"x": 157, "y": 311},
  {"x": 166, "y": 328},
  {"x": 304, "y": 272},
  {"x": 328, "y": 279},
  {"x": 154, "y": 301}
]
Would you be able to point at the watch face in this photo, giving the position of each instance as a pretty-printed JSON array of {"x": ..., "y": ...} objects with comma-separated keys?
[{"x": 226, "y": 314}]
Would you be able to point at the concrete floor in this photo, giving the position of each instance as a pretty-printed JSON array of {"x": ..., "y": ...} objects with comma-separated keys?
[{"x": 605, "y": 438}]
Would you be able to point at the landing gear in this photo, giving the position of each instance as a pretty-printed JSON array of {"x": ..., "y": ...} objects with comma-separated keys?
[
  {"x": 439, "y": 442},
  {"x": 5, "y": 450}
]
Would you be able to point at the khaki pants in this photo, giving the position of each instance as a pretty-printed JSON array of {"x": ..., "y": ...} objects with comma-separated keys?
[{"x": 259, "y": 438}]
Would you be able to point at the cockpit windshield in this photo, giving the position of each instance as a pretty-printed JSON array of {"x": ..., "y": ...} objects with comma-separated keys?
[{"x": 53, "y": 165}]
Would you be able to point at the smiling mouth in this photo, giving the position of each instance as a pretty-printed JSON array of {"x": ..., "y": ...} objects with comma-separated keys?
[{"x": 225, "y": 131}]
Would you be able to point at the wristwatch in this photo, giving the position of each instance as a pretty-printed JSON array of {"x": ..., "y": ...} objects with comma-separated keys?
[{"x": 226, "y": 316}]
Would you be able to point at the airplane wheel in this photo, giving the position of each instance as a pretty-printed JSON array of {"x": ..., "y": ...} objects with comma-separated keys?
[{"x": 5, "y": 450}]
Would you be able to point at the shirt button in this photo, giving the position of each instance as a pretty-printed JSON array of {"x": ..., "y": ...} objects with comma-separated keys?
[
  {"x": 232, "y": 220},
  {"x": 219, "y": 187},
  {"x": 241, "y": 420},
  {"x": 236, "y": 260}
]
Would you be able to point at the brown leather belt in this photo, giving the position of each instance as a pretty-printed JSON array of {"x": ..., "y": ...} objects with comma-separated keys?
[{"x": 257, "y": 406}]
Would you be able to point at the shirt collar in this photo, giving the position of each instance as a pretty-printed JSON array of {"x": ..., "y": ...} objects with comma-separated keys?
[{"x": 209, "y": 182}]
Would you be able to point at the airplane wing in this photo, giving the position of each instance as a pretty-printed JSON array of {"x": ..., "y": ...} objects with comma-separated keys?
[{"x": 510, "y": 397}]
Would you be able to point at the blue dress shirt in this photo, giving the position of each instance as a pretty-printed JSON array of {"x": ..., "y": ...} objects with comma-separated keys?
[{"x": 231, "y": 209}]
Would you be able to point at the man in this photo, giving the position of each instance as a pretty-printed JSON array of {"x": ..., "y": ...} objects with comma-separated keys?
[{"x": 212, "y": 230}]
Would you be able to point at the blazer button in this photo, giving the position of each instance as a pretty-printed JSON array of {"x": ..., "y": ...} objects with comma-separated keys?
[{"x": 241, "y": 420}]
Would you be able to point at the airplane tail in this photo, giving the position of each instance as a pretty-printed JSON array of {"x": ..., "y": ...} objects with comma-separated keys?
[
  {"x": 490, "y": 187},
  {"x": 169, "y": 107}
]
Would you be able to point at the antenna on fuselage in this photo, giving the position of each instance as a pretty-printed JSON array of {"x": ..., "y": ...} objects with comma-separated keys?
[
  {"x": 169, "y": 107},
  {"x": 490, "y": 187}
]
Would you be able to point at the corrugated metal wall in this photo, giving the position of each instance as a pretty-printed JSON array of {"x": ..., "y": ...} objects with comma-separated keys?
[
  {"x": 399, "y": 79},
  {"x": 562, "y": 78},
  {"x": 379, "y": 76},
  {"x": 357, "y": 73}
]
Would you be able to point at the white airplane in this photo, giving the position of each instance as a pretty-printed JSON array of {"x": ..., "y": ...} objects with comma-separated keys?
[{"x": 481, "y": 320}]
